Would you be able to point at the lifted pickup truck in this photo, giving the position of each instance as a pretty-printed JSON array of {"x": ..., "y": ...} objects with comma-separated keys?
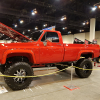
[{"x": 46, "y": 47}]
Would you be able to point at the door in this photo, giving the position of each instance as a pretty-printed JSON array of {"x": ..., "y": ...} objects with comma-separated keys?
[{"x": 51, "y": 49}]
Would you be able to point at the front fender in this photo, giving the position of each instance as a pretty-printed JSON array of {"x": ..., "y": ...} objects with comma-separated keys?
[
  {"x": 17, "y": 51},
  {"x": 83, "y": 52}
]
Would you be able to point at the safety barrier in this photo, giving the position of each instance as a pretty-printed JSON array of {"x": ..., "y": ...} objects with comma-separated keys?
[
  {"x": 35, "y": 76},
  {"x": 48, "y": 73}
]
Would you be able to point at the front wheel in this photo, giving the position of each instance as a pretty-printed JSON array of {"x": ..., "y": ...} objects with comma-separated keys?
[
  {"x": 18, "y": 69},
  {"x": 85, "y": 68}
]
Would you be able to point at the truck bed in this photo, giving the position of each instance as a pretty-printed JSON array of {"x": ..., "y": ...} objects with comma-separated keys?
[{"x": 73, "y": 50}]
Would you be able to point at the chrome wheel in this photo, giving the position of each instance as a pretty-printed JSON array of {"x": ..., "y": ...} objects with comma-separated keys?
[
  {"x": 20, "y": 72},
  {"x": 86, "y": 66}
]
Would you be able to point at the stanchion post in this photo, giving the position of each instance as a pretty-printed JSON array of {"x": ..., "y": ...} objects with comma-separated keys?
[
  {"x": 71, "y": 87},
  {"x": 71, "y": 73}
]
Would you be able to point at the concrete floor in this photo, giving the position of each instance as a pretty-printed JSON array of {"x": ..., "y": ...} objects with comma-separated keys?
[{"x": 52, "y": 87}]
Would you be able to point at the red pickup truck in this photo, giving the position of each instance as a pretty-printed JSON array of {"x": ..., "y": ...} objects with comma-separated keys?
[{"x": 46, "y": 47}]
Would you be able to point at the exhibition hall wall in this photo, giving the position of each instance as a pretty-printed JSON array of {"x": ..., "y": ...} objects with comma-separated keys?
[{"x": 81, "y": 36}]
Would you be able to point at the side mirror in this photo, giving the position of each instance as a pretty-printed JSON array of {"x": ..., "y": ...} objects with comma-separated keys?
[
  {"x": 47, "y": 40},
  {"x": 45, "y": 43}
]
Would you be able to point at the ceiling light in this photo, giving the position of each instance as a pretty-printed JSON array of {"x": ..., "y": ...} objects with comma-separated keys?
[
  {"x": 64, "y": 28},
  {"x": 99, "y": 6},
  {"x": 63, "y": 18},
  {"x": 21, "y": 21},
  {"x": 94, "y": 8},
  {"x": 87, "y": 22},
  {"x": 29, "y": 30},
  {"x": 81, "y": 30},
  {"x": 45, "y": 25},
  {"x": 36, "y": 28},
  {"x": 34, "y": 11},
  {"x": 15, "y": 25},
  {"x": 69, "y": 32},
  {"x": 84, "y": 23}
]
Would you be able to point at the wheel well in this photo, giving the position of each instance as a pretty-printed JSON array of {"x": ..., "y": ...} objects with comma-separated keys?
[
  {"x": 87, "y": 55},
  {"x": 21, "y": 55},
  {"x": 17, "y": 59}
]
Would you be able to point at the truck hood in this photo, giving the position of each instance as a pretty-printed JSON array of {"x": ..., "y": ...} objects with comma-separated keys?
[{"x": 12, "y": 33}]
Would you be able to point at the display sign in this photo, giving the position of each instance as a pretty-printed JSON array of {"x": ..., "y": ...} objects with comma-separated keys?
[
  {"x": 50, "y": 28},
  {"x": 3, "y": 89}
]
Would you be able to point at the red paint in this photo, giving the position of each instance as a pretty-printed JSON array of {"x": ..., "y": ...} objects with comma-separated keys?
[{"x": 72, "y": 89}]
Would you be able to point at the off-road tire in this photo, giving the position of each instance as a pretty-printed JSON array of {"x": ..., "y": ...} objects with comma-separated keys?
[
  {"x": 84, "y": 73},
  {"x": 12, "y": 69}
]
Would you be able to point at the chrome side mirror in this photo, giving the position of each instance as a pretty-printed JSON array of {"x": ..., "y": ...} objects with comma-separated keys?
[{"x": 45, "y": 43}]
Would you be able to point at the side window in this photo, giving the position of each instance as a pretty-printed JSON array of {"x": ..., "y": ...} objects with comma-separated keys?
[{"x": 51, "y": 36}]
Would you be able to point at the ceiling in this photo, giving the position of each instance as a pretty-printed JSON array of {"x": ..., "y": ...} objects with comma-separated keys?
[{"x": 50, "y": 13}]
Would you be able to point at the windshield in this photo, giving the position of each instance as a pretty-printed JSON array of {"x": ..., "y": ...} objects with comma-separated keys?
[{"x": 36, "y": 35}]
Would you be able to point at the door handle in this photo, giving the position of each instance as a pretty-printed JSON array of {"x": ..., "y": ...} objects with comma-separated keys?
[{"x": 58, "y": 44}]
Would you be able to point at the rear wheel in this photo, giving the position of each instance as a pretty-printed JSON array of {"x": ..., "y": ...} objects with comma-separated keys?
[
  {"x": 18, "y": 69},
  {"x": 85, "y": 64}
]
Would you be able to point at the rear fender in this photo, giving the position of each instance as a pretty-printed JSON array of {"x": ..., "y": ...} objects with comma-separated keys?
[
  {"x": 84, "y": 52},
  {"x": 12, "y": 53}
]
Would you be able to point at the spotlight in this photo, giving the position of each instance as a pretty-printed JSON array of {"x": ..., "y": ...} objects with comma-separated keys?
[
  {"x": 34, "y": 11},
  {"x": 84, "y": 23},
  {"x": 29, "y": 30},
  {"x": 87, "y": 22},
  {"x": 64, "y": 28},
  {"x": 15, "y": 25},
  {"x": 99, "y": 6},
  {"x": 81, "y": 30},
  {"x": 45, "y": 25},
  {"x": 63, "y": 18},
  {"x": 94, "y": 8},
  {"x": 69, "y": 32},
  {"x": 36, "y": 28},
  {"x": 21, "y": 21}
]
